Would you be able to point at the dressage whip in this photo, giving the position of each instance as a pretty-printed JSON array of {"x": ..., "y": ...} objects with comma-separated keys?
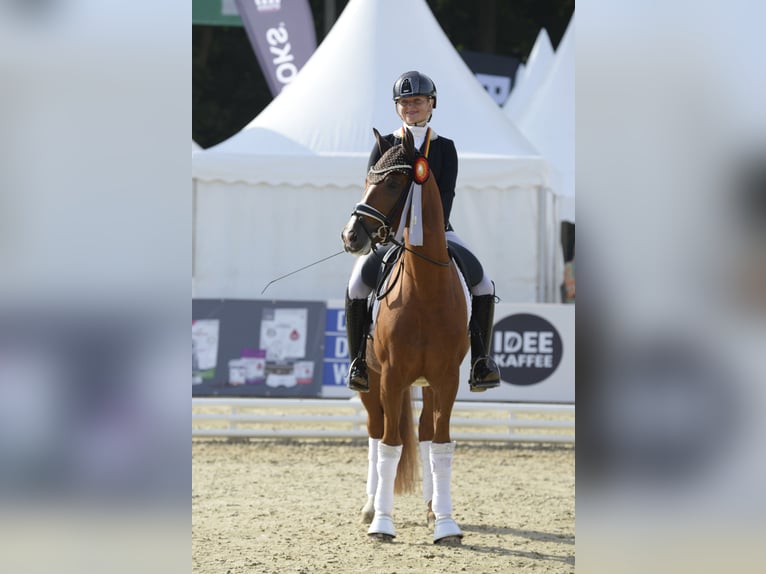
[{"x": 342, "y": 251}]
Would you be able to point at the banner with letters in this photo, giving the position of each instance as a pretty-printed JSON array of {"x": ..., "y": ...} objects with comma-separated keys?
[
  {"x": 299, "y": 349},
  {"x": 282, "y": 35},
  {"x": 336, "y": 359},
  {"x": 533, "y": 345}
]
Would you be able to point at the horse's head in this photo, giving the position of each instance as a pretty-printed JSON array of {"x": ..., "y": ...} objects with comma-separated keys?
[{"x": 388, "y": 181}]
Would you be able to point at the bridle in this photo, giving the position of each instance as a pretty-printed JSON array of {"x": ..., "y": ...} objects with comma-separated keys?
[{"x": 382, "y": 234}]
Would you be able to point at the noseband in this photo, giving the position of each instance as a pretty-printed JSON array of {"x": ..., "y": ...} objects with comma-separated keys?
[{"x": 383, "y": 233}]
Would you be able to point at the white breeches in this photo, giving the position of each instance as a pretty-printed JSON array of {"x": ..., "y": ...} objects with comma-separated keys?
[{"x": 356, "y": 287}]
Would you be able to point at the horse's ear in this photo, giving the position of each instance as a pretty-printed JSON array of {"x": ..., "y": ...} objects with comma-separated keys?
[
  {"x": 383, "y": 145},
  {"x": 408, "y": 143}
]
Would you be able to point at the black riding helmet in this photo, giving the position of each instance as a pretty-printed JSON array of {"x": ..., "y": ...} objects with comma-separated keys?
[{"x": 414, "y": 84}]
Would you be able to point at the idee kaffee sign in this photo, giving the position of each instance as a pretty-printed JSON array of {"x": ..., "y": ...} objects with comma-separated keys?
[{"x": 533, "y": 345}]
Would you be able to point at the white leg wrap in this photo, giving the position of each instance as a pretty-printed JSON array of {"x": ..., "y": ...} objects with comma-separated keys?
[
  {"x": 372, "y": 466},
  {"x": 441, "y": 465},
  {"x": 425, "y": 461},
  {"x": 388, "y": 460}
]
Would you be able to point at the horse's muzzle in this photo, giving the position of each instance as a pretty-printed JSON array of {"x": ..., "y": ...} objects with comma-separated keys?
[{"x": 355, "y": 242}]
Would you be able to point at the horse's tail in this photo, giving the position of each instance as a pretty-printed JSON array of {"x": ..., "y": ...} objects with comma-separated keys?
[{"x": 406, "y": 472}]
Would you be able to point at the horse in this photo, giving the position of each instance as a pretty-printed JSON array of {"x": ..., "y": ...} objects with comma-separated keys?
[{"x": 420, "y": 335}]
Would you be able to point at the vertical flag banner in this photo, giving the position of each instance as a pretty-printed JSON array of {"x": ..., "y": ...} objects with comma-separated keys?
[{"x": 282, "y": 35}]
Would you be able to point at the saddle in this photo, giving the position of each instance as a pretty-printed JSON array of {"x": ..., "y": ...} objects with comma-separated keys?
[{"x": 376, "y": 270}]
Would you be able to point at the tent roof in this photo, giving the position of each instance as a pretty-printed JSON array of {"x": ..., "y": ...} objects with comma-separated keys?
[
  {"x": 324, "y": 117},
  {"x": 538, "y": 64},
  {"x": 549, "y": 119}
]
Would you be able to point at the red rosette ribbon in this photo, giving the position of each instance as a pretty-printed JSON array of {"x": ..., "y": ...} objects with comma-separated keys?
[{"x": 421, "y": 170}]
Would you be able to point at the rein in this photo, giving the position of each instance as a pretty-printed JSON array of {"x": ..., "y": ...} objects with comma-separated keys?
[
  {"x": 396, "y": 255},
  {"x": 416, "y": 254}
]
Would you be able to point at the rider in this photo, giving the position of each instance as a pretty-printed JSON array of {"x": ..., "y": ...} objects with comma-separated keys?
[{"x": 415, "y": 100}]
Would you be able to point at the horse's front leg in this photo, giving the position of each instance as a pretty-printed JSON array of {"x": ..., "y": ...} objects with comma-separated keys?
[
  {"x": 389, "y": 453},
  {"x": 446, "y": 530},
  {"x": 374, "y": 408}
]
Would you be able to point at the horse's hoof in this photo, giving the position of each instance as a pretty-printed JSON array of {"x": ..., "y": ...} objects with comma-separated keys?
[
  {"x": 382, "y": 525},
  {"x": 380, "y": 537},
  {"x": 450, "y": 541},
  {"x": 445, "y": 531}
]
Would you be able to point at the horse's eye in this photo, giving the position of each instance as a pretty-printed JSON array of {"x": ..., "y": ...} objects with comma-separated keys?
[{"x": 392, "y": 185}]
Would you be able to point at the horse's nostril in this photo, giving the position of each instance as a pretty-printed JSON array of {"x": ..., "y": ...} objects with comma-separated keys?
[{"x": 351, "y": 236}]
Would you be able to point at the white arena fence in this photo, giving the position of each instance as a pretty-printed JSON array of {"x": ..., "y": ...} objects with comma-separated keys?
[{"x": 346, "y": 418}]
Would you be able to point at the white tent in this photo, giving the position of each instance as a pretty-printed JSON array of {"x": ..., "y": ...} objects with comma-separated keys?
[
  {"x": 533, "y": 74},
  {"x": 548, "y": 121},
  {"x": 274, "y": 196},
  {"x": 521, "y": 72}
]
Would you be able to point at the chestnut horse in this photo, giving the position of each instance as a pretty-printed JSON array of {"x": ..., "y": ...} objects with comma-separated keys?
[{"x": 420, "y": 336}]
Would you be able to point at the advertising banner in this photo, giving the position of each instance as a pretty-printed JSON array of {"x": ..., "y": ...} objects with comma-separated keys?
[
  {"x": 336, "y": 359},
  {"x": 257, "y": 348},
  {"x": 533, "y": 345},
  {"x": 282, "y": 35}
]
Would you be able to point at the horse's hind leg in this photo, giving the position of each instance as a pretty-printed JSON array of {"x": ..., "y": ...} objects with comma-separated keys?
[
  {"x": 428, "y": 483},
  {"x": 368, "y": 510},
  {"x": 425, "y": 436},
  {"x": 446, "y": 530},
  {"x": 426, "y": 422}
]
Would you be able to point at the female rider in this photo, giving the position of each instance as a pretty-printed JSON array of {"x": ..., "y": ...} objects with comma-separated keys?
[{"x": 415, "y": 100}]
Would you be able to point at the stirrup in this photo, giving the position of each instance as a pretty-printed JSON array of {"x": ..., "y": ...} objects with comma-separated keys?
[
  {"x": 484, "y": 375},
  {"x": 359, "y": 382}
]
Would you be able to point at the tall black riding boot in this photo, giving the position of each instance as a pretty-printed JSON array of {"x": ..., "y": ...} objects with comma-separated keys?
[
  {"x": 484, "y": 372},
  {"x": 357, "y": 325}
]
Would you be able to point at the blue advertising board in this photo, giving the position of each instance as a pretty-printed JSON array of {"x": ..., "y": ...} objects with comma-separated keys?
[{"x": 335, "y": 349}]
